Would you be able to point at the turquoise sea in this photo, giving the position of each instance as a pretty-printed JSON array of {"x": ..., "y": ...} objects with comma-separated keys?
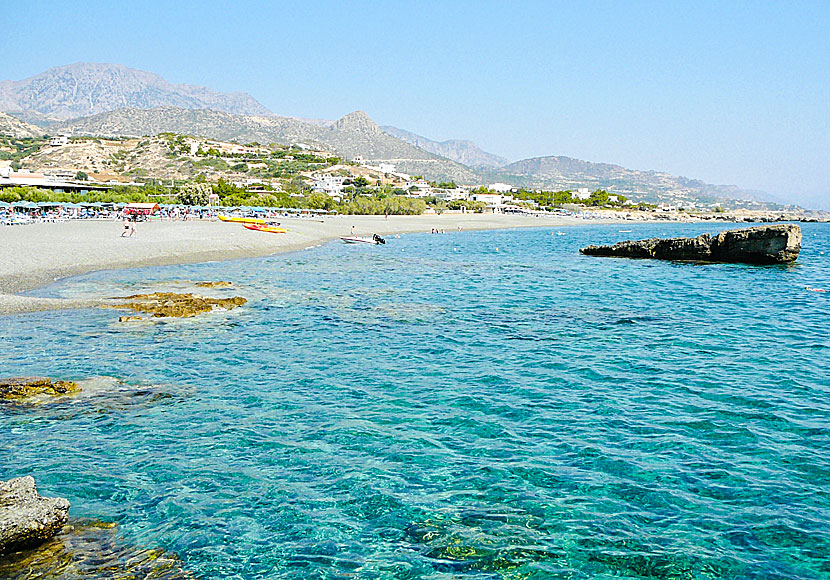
[{"x": 469, "y": 405}]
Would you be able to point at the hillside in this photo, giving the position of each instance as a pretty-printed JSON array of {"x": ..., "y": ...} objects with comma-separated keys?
[
  {"x": 12, "y": 127},
  {"x": 559, "y": 172},
  {"x": 84, "y": 89},
  {"x": 354, "y": 135},
  {"x": 459, "y": 150}
]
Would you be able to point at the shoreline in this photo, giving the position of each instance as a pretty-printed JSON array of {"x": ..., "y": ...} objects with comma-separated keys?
[{"x": 38, "y": 255}]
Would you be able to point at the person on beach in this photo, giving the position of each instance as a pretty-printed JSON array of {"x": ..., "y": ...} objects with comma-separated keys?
[
  {"x": 132, "y": 227},
  {"x": 126, "y": 227},
  {"x": 352, "y": 232}
]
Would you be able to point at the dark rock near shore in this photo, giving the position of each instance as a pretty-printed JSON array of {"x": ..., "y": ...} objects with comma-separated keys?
[
  {"x": 26, "y": 518},
  {"x": 776, "y": 244},
  {"x": 171, "y": 304},
  {"x": 20, "y": 388},
  {"x": 91, "y": 549}
]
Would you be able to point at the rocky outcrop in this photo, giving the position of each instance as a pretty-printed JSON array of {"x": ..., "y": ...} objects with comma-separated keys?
[
  {"x": 19, "y": 388},
  {"x": 215, "y": 284},
  {"x": 776, "y": 244},
  {"x": 92, "y": 549},
  {"x": 26, "y": 518},
  {"x": 171, "y": 304}
]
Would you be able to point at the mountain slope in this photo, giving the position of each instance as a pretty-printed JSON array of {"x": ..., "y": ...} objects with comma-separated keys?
[
  {"x": 13, "y": 127},
  {"x": 459, "y": 150},
  {"x": 351, "y": 136},
  {"x": 559, "y": 172},
  {"x": 83, "y": 89}
]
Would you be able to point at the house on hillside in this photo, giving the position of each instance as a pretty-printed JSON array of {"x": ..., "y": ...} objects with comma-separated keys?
[{"x": 59, "y": 140}]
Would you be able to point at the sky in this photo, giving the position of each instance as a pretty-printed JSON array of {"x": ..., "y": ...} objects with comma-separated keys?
[{"x": 728, "y": 92}]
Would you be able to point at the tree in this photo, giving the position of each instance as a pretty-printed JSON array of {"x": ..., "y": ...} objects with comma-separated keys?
[
  {"x": 194, "y": 194},
  {"x": 319, "y": 200},
  {"x": 598, "y": 198},
  {"x": 81, "y": 176}
]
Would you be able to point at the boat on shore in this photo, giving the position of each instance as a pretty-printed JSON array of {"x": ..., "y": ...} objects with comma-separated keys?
[
  {"x": 264, "y": 228},
  {"x": 242, "y": 220},
  {"x": 375, "y": 239}
]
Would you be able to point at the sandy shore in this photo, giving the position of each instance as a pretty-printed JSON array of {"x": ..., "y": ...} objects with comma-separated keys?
[{"x": 39, "y": 254}]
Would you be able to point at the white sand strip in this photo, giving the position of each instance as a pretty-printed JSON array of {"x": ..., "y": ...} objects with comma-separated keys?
[{"x": 39, "y": 254}]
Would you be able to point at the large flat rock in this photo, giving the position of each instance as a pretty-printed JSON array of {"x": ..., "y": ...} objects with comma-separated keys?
[
  {"x": 26, "y": 518},
  {"x": 775, "y": 244}
]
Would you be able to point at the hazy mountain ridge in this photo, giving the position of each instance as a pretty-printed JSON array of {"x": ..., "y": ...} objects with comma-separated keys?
[
  {"x": 560, "y": 172},
  {"x": 129, "y": 102},
  {"x": 83, "y": 89},
  {"x": 459, "y": 150}
]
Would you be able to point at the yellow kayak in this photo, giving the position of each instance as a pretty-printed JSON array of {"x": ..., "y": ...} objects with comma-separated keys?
[{"x": 242, "y": 220}]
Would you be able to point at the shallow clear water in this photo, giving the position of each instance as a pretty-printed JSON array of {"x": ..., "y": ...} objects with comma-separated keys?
[{"x": 477, "y": 404}]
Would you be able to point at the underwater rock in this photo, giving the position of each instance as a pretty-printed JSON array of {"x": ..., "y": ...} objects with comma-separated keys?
[
  {"x": 129, "y": 318},
  {"x": 26, "y": 518},
  {"x": 91, "y": 549},
  {"x": 217, "y": 284},
  {"x": 19, "y": 388},
  {"x": 172, "y": 304},
  {"x": 776, "y": 244}
]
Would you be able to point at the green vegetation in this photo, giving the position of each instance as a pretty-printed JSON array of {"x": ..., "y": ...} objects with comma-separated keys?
[{"x": 14, "y": 149}]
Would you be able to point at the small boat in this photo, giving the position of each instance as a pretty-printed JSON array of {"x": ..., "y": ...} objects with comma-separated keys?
[
  {"x": 265, "y": 228},
  {"x": 375, "y": 239},
  {"x": 242, "y": 220}
]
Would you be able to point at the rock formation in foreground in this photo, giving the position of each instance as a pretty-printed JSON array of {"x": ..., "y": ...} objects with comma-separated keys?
[
  {"x": 26, "y": 518},
  {"x": 171, "y": 304},
  {"x": 776, "y": 244},
  {"x": 92, "y": 549},
  {"x": 19, "y": 388}
]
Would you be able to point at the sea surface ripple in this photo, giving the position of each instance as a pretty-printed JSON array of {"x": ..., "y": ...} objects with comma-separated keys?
[{"x": 475, "y": 404}]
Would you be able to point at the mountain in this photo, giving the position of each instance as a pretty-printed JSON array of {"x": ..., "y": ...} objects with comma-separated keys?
[
  {"x": 559, "y": 173},
  {"x": 462, "y": 151},
  {"x": 84, "y": 89},
  {"x": 354, "y": 135},
  {"x": 12, "y": 127}
]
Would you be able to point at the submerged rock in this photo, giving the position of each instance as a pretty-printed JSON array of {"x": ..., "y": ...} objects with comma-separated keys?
[
  {"x": 91, "y": 549},
  {"x": 19, "y": 388},
  {"x": 26, "y": 518},
  {"x": 217, "y": 284},
  {"x": 776, "y": 244},
  {"x": 172, "y": 304}
]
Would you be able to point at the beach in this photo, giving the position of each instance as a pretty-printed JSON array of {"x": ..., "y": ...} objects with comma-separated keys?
[{"x": 40, "y": 254}]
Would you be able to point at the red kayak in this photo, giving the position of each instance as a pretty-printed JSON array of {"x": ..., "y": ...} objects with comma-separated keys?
[{"x": 265, "y": 228}]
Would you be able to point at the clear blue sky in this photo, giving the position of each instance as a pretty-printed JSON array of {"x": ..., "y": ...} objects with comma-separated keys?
[{"x": 728, "y": 92}]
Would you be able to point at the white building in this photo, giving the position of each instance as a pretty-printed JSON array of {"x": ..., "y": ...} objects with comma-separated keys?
[
  {"x": 331, "y": 185},
  {"x": 59, "y": 140},
  {"x": 491, "y": 199},
  {"x": 582, "y": 194},
  {"x": 500, "y": 187}
]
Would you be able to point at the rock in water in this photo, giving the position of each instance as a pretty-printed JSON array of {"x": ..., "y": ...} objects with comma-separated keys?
[
  {"x": 171, "y": 304},
  {"x": 26, "y": 518},
  {"x": 19, "y": 388},
  {"x": 776, "y": 244}
]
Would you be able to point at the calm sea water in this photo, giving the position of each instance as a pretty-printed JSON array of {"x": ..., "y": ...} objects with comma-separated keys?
[{"x": 469, "y": 405}]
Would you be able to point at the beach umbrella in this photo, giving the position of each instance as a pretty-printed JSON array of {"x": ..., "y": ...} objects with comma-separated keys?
[{"x": 5, "y": 204}]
